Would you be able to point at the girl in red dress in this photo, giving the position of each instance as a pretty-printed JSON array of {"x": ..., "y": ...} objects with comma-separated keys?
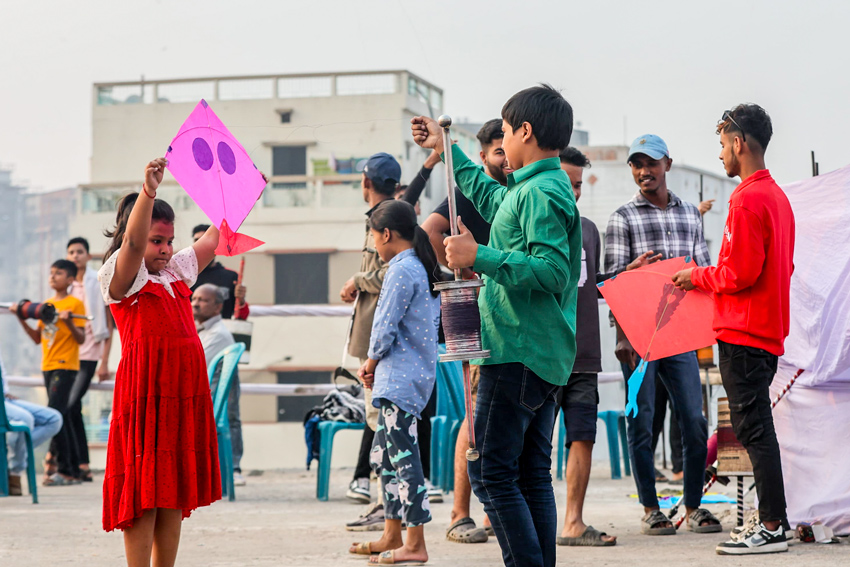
[{"x": 162, "y": 460}]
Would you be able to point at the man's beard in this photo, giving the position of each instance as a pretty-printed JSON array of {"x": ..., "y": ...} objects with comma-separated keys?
[{"x": 497, "y": 173}]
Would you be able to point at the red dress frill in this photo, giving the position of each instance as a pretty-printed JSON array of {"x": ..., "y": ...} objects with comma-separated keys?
[{"x": 162, "y": 451}]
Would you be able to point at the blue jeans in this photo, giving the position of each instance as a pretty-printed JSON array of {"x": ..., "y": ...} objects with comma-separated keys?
[
  {"x": 43, "y": 422},
  {"x": 680, "y": 374},
  {"x": 514, "y": 418}
]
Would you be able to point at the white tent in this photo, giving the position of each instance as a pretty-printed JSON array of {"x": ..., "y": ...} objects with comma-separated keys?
[{"x": 813, "y": 420}]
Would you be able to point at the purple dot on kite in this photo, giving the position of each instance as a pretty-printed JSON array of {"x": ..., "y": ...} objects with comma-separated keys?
[
  {"x": 203, "y": 102},
  {"x": 202, "y": 153},
  {"x": 170, "y": 149},
  {"x": 226, "y": 158}
]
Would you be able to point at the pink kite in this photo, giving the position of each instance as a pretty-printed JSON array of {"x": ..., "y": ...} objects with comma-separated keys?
[
  {"x": 659, "y": 319},
  {"x": 217, "y": 173}
]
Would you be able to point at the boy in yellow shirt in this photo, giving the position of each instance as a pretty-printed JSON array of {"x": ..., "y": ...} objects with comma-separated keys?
[{"x": 60, "y": 345}]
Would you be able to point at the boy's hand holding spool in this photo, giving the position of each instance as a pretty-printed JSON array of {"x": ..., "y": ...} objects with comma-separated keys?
[
  {"x": 462, "y": 249},
  {"x": 427, "y": 133}
]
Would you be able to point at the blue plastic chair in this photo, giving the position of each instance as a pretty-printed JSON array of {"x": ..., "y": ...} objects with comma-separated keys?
[
  {"x": 615, "y": 426},
  {"x": 7, "y": 427},
  {"x": 327, "y": 430},
  {"x": 228, "y": 359}
]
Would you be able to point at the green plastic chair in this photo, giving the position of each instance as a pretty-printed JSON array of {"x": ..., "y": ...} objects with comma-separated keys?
[
  {"x": 228, "y": 359},
  {"x": 7, "y": 427},
  {"x": 450, "y": 412},
  {"x": 327, "y": 430}
]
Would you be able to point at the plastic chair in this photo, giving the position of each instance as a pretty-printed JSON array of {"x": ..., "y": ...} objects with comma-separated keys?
[
  {"x": 615, "y": 426},
  {"x": 7, "y": 427},
  {"x": 228, "y": 359},
  {"x": 450, "y": 410},
  {"x": 327, "y": 430}
]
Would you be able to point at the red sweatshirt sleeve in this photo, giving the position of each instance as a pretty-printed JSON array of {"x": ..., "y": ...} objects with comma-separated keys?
[
  {"x": 243, "y": 312},
  {"x": 741, "y": 257}
]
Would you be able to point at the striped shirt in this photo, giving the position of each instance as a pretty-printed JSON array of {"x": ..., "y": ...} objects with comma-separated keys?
[{"x": 639, "y": 226}]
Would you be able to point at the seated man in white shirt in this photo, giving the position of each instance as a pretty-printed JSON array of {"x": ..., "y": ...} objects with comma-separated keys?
[{"x": 207, "y": 302}]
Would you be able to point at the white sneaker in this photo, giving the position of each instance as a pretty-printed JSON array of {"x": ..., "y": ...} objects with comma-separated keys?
[
  {"x": 752, "y": 521},
  {"x": 238, "y": 479},
  {"x": 358, "y": 491},
  {"x": 757, "y": 539}
]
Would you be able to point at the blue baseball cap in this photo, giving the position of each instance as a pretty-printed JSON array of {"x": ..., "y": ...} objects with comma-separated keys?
[
  {"x": 381, "y": 168},
  {"x": 650, "y": 145}
]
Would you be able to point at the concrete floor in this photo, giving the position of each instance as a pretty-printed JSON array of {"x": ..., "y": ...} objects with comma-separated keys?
[{"x": 276, "y": 520}]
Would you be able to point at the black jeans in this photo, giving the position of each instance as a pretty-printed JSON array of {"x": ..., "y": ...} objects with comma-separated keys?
[
  {"x": 747, "y": 373},
  {"x": 63, "y": 447},
  {"x": 75, "y": 409}
]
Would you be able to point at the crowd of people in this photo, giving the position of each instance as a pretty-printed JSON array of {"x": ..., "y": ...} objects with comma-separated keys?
[{"x": 521, "y": 231}]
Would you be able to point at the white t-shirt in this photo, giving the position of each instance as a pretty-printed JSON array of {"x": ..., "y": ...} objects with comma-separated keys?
[{"x": 182, "y": 266}]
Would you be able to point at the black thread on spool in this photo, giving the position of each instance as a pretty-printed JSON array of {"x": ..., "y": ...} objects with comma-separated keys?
[{"x": 461, "y": 320}]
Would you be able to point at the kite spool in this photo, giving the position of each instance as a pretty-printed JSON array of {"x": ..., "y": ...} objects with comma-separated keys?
[
  {"x": 44, "y": 312},
  {"x": 461, "y": 319}
]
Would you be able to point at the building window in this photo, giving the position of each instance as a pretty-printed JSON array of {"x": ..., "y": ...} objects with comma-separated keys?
[
  {"x": 294, "y": 408},
  {"x": 285, "y": 116},
  {"x": 289, "y": 160},
  {"x": 301, "y": 278}
]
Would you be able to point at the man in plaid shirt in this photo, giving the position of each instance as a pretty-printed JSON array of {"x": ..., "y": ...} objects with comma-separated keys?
[{"x": 655, "y": 225}]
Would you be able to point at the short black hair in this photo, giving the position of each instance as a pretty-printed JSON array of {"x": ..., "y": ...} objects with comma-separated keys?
[
  {"x": 78, "y": 240},
  {"x": 752, "y": 121},
  {"x": 550, "y": 115},
  {"x": 574, "y": 156},
  {"x": 200, "y": 228},
  {"x": 67, "y": 265},
  {"x": 492, "y": 130}
]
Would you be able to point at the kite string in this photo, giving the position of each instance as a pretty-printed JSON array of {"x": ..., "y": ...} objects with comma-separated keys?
[{"x": 218, "y": 168}]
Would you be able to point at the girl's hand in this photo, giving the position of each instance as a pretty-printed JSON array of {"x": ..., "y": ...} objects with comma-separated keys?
[
  {"x": 153, "y": 174},
  {"x": 367, "y": 373}
]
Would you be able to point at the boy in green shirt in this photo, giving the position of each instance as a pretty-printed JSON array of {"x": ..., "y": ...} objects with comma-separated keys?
[{"x": 528, "y": 310}]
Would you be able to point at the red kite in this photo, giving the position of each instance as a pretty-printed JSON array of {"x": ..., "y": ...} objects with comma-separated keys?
[{"x": 659, "y": 319}]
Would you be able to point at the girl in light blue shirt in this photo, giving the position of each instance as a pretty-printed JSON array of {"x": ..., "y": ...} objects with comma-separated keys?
[{"x": 401, "y": 370}]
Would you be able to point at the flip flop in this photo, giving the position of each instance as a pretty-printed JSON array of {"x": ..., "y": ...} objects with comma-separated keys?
[
  {"x": 363, "y": 548},
  {"x": 465, "y": 531},
  {"x": 387, "y": 558},
  {"x": 590, "y": 538},
  {"x": 490, "y": 531},
  {"x": 57, "y": 479}
]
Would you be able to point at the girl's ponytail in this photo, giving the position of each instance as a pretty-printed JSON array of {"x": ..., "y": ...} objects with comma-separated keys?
[
  {"x": 401, "y": 217},
  {"x": 162, "y": 211},
  {"x": 425, "y": 250}
]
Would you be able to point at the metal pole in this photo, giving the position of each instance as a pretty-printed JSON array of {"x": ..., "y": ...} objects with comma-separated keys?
[{"x": 445, "y": 122}]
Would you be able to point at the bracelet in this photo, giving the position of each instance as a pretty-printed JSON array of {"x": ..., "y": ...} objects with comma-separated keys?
[{"x": 145, "y": 189}]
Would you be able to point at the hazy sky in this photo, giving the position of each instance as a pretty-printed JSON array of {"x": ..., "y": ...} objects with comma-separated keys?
[{"x": 668, "y": 67}]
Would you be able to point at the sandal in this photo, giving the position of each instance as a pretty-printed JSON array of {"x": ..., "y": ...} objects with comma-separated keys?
[
  {"x": 387, "y": 558},
  {"x": 465, "y": 531},
  {"x": 57, "y": 479},
  {"x": 86, "y": 475},
  {"x": 490, "y": 531},
  {"x": 590, "y": 538},
  {"x": 700, "y": 515},
  {"x": 362, "y": 548},
  {"x": 50, "y": 467},
  {"x": 652, "y": 520}
]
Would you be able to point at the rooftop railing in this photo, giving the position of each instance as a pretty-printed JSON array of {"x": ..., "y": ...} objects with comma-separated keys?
[{"x": 268, "y": 87}]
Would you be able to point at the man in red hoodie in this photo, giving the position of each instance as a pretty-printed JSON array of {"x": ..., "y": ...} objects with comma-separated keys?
[{"x": 751, "y": 317}]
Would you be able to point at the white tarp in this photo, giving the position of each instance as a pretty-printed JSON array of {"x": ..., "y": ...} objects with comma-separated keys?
[
  {"x": 813, "y": 419},
  {"x": 819, "y": 341},
  {"x": 813, "y": 428}
]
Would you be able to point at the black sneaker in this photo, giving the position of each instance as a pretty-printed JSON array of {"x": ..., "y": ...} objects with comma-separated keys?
[{"x": 757, "y": 539}]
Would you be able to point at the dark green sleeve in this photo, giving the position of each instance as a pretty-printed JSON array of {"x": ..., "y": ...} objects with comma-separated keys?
[
  {"x": 545, "y": 225},
  {"x": 485, "y": 193}
]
